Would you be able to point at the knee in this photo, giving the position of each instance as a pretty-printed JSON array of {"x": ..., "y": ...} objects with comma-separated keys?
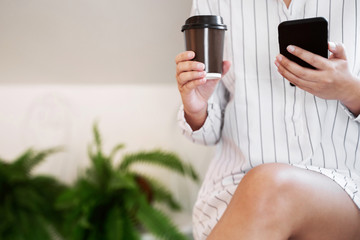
[
  {"x": 264, "y": 199},
  {"x": 269, "y": 190}
]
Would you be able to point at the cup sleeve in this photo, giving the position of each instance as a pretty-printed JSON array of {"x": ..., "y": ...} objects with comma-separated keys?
[
  {"x": 350, "y": 114},
  {"x": 209, "y": 133}
]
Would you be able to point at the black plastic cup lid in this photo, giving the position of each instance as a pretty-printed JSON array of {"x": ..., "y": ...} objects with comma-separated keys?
[{"x": 204, "y": 21}]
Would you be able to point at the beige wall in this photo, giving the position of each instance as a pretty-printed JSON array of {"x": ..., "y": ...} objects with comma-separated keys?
[{"x": 90, "y": 41}]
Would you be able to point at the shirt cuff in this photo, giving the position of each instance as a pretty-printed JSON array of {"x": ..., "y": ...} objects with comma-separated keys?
[
  {"x": 209, "y": 133},
  {"x": 350, "y": 114}
]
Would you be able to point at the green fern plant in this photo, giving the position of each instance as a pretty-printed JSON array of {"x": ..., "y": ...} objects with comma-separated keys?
[
  {"x": 111, "y": 202},
  {"x": 27, "y": 202}
]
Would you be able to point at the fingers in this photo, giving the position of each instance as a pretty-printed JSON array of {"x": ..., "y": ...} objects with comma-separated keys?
[
  {"x": 189, "y": 66},
  {"x": 184, "y": 56},
  {"x": 315, "y": 60},
  {"x": 186, "y": 77},
  {"x": 289, "y": 74},
  {"x": 187, "y": 70},
  {"x": 190, "y": 74},
  {"x": 294, "y": 79},
  {"x": 284, "y": 65},
  {"x": 338, "y": 50},
  {"x": 193, "y": 84},
  {"x": 226, "y": 67}
]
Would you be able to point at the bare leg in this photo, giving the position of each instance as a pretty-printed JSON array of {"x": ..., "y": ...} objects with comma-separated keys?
[{"x": 280, "y": 202}]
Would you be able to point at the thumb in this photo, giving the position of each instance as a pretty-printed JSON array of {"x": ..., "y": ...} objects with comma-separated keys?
[
  {"x": 226, "y": 67},
  {"x": 338, "y": 50}
]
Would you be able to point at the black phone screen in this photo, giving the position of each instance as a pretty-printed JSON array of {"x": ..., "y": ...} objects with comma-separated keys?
[{"x": 310, "y": 34}]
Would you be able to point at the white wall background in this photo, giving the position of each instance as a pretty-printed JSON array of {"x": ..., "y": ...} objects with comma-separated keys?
[
  {"x": 144, "y": 117},
  {"x": 66, "y": 63}
]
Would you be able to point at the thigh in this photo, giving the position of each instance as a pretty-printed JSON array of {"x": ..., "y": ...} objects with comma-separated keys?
[
  {"x": 325, "y": 210},
  {"x": 278, "y": 201}
]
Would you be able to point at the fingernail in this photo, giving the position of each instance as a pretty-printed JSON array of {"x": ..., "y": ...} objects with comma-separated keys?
[
  {"x": 279, "y": 58},
  {"x": 201, "y": 74},
  {"x": 291, "y": 48},
  {"x": 203, "y": 80},
  {"x": 277, "y": 63},
  {"x": 190, "y": 54},
  {"x": 332, "y": 46},
  {"x": 201, "y": 66}
]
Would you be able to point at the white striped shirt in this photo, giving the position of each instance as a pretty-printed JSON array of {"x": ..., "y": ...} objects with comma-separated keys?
[{"x": 256, "y": 117}]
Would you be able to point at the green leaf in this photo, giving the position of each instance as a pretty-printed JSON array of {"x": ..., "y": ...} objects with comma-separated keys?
[
  {"x": 121, "y": 181},
  {"x": 130, "y": 230},
  {"x": 157, "y": 223},
  {"x": 114, "y": 225},
  {"x": 26, "y": 202},
  {"x": 91, "y": 155},
  {"x": 163, "y": 159},
  {"x": 100, "y": 171},
  {"x": 97, "y": 137},
  {"x": 108, "y": 203},
  {"x": 161, "y": 194},
  {"x": 115, "y": 150},
  {"x": 29, "y": 159},
  {"x": 24, "y": 157}
]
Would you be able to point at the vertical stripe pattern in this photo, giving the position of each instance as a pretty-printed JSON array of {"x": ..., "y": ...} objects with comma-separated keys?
[{"x": 256, "y": 117}]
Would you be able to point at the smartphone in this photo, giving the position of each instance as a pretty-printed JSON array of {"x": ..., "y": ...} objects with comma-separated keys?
[{"x": 310, "y": 34}]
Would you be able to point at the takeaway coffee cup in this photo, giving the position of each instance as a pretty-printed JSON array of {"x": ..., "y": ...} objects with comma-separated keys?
[{"x": 204, "y": 34}]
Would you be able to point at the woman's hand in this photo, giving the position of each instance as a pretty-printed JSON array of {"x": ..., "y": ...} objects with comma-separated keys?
[
  {"x": 194, "y": 88},
  {"x": 331, "y": 79}
]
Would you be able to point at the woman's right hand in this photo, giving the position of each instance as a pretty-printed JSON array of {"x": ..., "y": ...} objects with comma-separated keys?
[{"x": 194, "y": 88}]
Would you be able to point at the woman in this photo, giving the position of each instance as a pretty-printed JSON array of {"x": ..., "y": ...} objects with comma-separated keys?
[{"x": 287, "y": 163}]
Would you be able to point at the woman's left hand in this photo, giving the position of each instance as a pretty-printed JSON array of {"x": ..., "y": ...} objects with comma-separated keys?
[{"x": 331, "y": 79}]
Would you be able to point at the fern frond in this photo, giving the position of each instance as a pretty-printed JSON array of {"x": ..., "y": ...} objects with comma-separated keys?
[
  {"x": 114, "y": 225},
  {"x": 120, "y": 225},
  {"x": 131, "y": 232},
  {"x": 120, "y": 181},
  {"x": 100, "y": 171},
  {"x": 160, "y": 158},
  {"x": 30, "y": 158},
  {"x": 161, "y": 194},
  {"x": 40, "y": 157},
  {"x": 90, "y": 152},
  {"x": 115, "y": 150},
  {"x": 97, "y": 137},
  {"x": 25, "y": 155},
  {"x": 109, "y": 203},
  {"x": 27, "y": 208},
  {"x": 20, "y": 161},
  {"x": 157, "y": 223}
]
